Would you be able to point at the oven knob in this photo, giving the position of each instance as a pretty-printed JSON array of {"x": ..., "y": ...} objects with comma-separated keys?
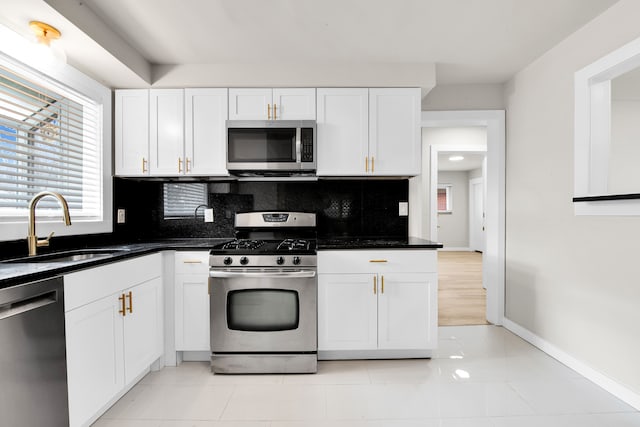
[
  {"x": 244, "y": 260},
  {"x": 280, "y": 260},
  {"x": 227, "y": 260},
  {"x": 296, "y": 260}
]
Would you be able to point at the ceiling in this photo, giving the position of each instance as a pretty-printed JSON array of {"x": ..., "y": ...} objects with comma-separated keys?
[
  {"x": 469, "y": 41},
  {"x": 471, "y": 161}
]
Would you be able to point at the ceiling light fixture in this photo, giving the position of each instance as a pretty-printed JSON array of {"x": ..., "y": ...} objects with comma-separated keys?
[
  {"x": 44, "y": 52},
  {"x": 44, "y": 32},
  {"x": 456, "y": 158}
]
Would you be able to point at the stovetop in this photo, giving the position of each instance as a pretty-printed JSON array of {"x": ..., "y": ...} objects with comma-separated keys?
[{"x": 266, "y": 247}]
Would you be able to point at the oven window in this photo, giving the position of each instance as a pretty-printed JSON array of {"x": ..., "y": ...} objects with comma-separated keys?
[
  {"x": 262, "y": 145},
  {"x": 262, "y": 310}
]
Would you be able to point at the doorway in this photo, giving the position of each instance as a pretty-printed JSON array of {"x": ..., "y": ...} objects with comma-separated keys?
[
  {"x": 460, "y": 217},
  {"x": 423, "y": 197}
]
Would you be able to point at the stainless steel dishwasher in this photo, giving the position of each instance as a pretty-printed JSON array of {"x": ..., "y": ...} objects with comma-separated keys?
[{"x": 33, "y": 368}]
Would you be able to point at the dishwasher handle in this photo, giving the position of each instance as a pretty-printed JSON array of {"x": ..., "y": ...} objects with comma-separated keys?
[
  {"x": 295, "y": 274},
  {"x": 30, "y": 303}
]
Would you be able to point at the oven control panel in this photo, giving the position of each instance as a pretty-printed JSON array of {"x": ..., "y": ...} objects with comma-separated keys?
[{"x": 239, "y": 261}]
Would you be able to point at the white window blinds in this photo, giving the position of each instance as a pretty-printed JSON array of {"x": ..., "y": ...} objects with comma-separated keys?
[
  {"x": 49, "y": 140},
  {"x": 182, "y": 199}
]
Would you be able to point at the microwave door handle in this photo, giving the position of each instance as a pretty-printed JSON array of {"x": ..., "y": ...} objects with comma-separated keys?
[
  {"x": 258, "y": 274},
  {"x": 298, "y": 145}
]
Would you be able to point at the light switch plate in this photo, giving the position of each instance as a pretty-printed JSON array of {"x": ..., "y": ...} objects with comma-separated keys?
[
  {"x": 121, "y": 216},
  {"x": 208, "y": 215},
  {"x": 403, "y": 209}
]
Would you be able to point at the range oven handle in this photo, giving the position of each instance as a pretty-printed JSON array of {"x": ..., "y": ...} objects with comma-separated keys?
[{"x": 258, "y": 274}]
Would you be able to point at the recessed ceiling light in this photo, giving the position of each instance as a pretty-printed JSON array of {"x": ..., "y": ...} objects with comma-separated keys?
[{"x": 456, "y": 158}]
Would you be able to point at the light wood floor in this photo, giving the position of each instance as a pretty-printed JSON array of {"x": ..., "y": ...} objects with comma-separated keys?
[{"x": 461, "y": 298}]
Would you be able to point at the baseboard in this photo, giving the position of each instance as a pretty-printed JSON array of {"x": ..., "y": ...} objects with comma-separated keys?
[
  {"x": 451, "y": 248},
  {"x": 620, "y": 391}
]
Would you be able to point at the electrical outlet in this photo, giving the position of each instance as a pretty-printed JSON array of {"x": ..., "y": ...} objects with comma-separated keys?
[
  {"x": 121, "y": 216},
  {"x": 403, "y": 208},
  {"x": 208, "y": 215}
]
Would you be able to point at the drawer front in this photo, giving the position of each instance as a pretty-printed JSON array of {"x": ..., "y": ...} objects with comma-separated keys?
[
  {"x": 377, "y": 261},
  {"x": 85, "y": 286},
  {"x": 192, "y": 262}
]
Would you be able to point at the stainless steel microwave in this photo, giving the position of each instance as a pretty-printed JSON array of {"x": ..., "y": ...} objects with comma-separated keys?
[{"x": 271, "y": 145}]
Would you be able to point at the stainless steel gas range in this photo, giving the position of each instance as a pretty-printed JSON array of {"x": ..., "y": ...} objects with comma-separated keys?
[{"x": 263, "y": 295}]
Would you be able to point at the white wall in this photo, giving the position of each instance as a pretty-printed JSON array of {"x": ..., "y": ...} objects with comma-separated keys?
[
  {"x": 465, "y": 97},
  {"x": 571, "y": 280},
  {"x": 624, "y": 149},
  {"x": 453, "y": 228}
]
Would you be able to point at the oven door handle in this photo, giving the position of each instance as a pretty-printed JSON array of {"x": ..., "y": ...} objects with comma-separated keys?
[{"x": 258, "y": 274}]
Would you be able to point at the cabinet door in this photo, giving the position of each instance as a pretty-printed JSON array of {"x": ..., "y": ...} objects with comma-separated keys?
[
  {"x": 394, "y": 131},
  {"x": 192, "y": 312},
  {"x": 94, "y": 337},
  {"x": 343, "y": 133},
  {"x": 132, "y": 132},
  {"x": 142, "y": 328},
  {"x": 407, "y": 311},
  {"x": 250, "y": 104},
  {"x": 294, "y": 104},
  {"x": 347, "y": 318},
  {"x": 205, "y": 140},
  {"x": 166, "y": 132}
]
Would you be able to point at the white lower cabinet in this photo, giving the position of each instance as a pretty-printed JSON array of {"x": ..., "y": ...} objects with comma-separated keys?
[
  {"x": 114, "y": 332},
  {"x": 192, "y": 301},
  {"x": 377, "y": 303}
]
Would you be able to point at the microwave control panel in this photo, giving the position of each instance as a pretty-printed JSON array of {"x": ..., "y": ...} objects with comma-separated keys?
[{"x": 306, "y": 137}]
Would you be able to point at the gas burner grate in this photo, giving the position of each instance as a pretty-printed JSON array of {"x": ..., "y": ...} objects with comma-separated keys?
[
  {"x": 293, "y": 245},
  {"x": 243, "y": 244}
]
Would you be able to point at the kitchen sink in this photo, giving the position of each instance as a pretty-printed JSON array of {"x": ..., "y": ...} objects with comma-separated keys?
[{"x": 68, "y": 256}]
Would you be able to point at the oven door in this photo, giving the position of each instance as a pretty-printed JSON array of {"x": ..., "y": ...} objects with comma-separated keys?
[{"x": 263, "y": 310}]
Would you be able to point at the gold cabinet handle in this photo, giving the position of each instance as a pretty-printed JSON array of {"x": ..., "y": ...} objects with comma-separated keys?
[
  {"x": 382, "y": 284},
  {"x": 378, "y": 260},
  {"x": 373, "y": 166},
  {"x": 269, "y": 111},
  {"x": 192, "y": 261},
  {"x": 123, "y": 309},
  {"x": 275, "y": 111},
  {"x": 188, "y": 161},
  {"x": 366, "y": 164},
  {"x": 179, "y": 164},
  {"x": 130, "y": 295},
  {"x": 375, "y": 285},
  {"x": 144, "y": 165}
]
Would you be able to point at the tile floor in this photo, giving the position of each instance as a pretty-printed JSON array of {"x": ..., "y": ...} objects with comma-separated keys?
[{"x": 480, "y": 376}]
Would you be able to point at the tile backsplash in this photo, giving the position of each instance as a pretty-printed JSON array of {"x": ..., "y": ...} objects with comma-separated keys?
[{"x": 363, "y": 208}]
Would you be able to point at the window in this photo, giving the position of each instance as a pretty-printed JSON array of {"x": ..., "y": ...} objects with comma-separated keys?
[
  {"x": 50, "y": 139},
  {"x": 182, "y": 199},
  {"x": 444, "y": 198}
]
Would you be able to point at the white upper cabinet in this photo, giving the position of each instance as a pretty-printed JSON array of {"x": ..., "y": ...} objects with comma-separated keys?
[
  {"x": 166, "y": 111},
  {"x": 171, "y": 132},
  {"x": 205, "y": 148},
  {"x": 394, "y": 131},
  {"x": 272, "y": 104},
  {"x": 132, "y": 132},
  {"x": 294, "y": 104},
  {"x": 369, "y": 132},
  {"x": 343, "y": 132}
]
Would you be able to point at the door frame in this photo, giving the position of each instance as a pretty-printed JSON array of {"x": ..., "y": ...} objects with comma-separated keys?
[
  {"x": 472, "y": 183},
  {"x": 493, "y": 265}
]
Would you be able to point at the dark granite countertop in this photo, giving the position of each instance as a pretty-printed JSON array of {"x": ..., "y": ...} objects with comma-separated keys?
[
  {"x": 347, "y": 243},
  {"x": 23, "y": 270},
  {"x": 14, "y": 272}
]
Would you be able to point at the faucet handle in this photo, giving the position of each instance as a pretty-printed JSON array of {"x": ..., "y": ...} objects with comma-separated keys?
[{"x": 45, "y": 242}]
